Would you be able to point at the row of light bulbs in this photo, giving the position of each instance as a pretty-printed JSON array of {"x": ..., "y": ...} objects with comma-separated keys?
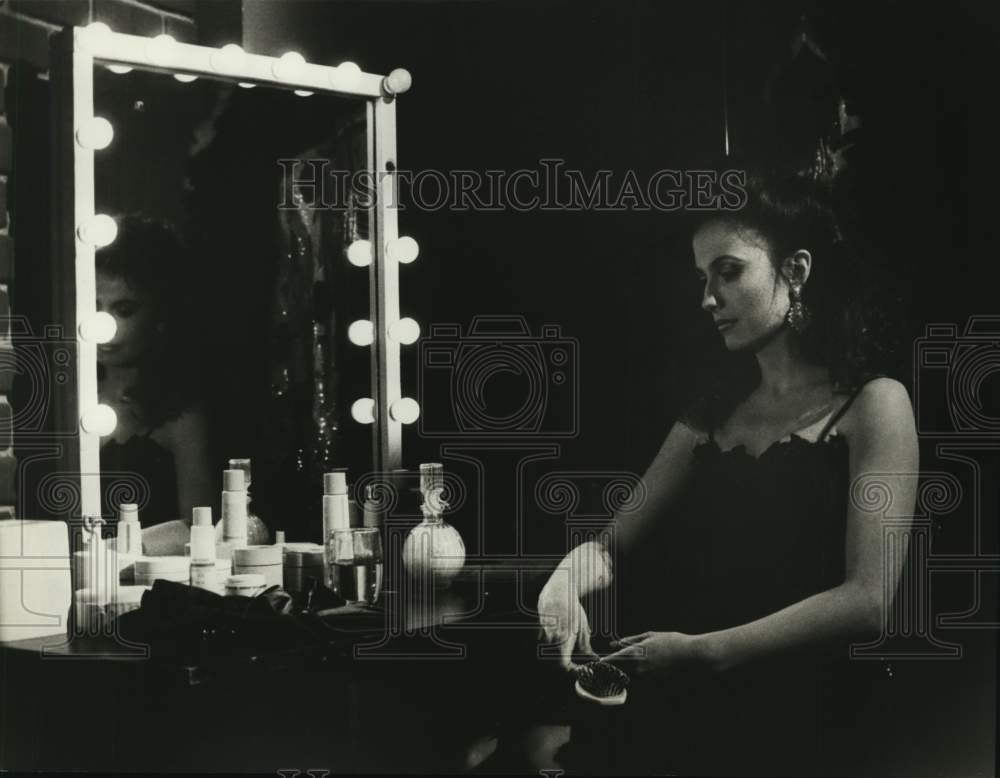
[
  {"x": 101, "y": 230},
  {"x": 231, "y": 58}
]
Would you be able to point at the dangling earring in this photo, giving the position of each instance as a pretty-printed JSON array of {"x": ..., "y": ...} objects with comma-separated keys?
[{"x": 798, "y": 315}]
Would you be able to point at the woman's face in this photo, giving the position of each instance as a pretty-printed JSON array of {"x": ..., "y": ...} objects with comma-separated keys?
[
  {"x": 742, "y": 290},
  {"x": 136, "y": 319}
]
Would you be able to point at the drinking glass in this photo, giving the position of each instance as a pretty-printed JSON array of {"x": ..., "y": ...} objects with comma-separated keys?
[{"x": 354, "y": 564}]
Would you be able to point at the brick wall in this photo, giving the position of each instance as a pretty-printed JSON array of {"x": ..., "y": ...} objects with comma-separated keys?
[{"x": 26, "y": 27}]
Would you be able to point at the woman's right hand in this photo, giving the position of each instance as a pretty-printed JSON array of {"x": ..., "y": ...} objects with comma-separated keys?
[{"x": 563, "y": 622}]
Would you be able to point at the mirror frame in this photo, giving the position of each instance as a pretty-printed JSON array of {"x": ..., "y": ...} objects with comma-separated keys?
[{"x": 74, "y": 282}]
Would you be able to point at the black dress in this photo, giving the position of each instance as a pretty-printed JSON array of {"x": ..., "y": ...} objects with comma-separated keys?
[{"x": 750, "y": 536}]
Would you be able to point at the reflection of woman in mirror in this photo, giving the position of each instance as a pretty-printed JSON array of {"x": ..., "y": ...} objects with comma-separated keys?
[
  {"x": 161, "y": 434},
  {"x": 752, "y": 563}
]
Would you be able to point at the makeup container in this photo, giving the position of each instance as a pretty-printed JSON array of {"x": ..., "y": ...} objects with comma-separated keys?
[
  {"x": 263, "y": 560},
  {"x": 167, "y": 568},
  {"x": 301, "y": 562},
  {"x": 129, "y": 531},
  {"x": 234, "y": 508},
  {"x": 246, "y": 585}
]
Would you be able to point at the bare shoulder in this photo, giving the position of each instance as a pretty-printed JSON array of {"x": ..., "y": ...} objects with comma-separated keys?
[{"x": 883, "y": 404}]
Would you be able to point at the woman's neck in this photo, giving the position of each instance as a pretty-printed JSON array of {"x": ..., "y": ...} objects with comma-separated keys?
[{"x": 783, "y": 369}]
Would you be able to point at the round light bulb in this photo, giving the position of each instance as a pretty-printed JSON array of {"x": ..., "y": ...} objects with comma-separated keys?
[
  {"x": 288, "y": 66},
  {"x": 95, "y": 37},
  {"x": 99, "y": 420},
  {"x": 405, "y": 410},
  {"x": 227, "y": 59},
  {"x": 159, "y": 49},
  {"x": 363, "y": 410},
  {"x": 403, "y": 250},
  {"x": 99, "y": 230},
  {"x": 120, "y": 69},
  {"x": 95, "y": 133},
  {"x": 303, "y": 93},
  {"x": 405, "y": 331},
  {"x": 361, "y": 333},
  {"x": 397, "y": 82},
  {"x": 359, "y": 253},
  {"x": 185, "y": 78},
  {"x": 346, "y": 75},
  {"x": 99, "y": 328}
]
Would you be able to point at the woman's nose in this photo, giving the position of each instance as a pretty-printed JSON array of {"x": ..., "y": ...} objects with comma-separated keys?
[{"x": 708, "y": 300}]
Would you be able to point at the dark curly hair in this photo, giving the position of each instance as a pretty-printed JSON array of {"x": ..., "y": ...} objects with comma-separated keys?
[{"x": 848, "y": 332}]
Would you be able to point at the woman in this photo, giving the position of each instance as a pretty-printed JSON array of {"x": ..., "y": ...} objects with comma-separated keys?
[
  {"x": 147, "y": 374},
  {"x": 749, "y": 570}
]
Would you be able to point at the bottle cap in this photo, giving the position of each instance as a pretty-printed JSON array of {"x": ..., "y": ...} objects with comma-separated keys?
[
  {"x": 201, "y": 516},
  {"x": 233, "y": 481},
  {"x": 253, "y": 556},
  {"x": 431, "y": 476},
  {"x": 128, "y": 511},
  {"x": 335, "y": 482}
]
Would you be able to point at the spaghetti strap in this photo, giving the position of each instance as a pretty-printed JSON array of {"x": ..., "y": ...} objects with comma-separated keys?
[{"x": 840, "y": 412}]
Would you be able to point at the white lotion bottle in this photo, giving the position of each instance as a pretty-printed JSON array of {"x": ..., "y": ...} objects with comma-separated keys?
[
  {"x": 129, "y": 531},
  {"x": 336, "y": 507},
  {"x": 234, "y": 508}
]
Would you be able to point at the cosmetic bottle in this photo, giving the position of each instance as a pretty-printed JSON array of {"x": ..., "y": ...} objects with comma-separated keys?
[
  {"x": 234, "y": 508},
  {"x": 129, "y": 530},
  {"x": 336, "y": 507},
  {"x": 434, "y": 550},
  {"x": 257, "y": 531},
  {"x": 202, "y": 549}
]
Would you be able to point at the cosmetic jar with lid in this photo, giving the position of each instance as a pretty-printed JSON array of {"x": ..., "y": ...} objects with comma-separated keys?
[
  {"x": 302, "y": 561},
  {"x": 245, "y": 585},
  {"x": 168, "y": 568},
  {"x": 265, "y": 560}
]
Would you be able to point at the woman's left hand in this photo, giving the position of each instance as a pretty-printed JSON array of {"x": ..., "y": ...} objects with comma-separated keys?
[{"x": 659, "y": 654}]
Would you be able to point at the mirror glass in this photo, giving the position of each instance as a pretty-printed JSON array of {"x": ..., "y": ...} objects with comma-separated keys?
[{"x": 232, "y": 294}]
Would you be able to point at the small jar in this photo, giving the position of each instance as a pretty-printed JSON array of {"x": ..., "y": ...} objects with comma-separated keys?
[
  {"x": 211, "y": 576},
  {"x": 302, "y": 561},
  {"x": 167, "y": 568},
  {"x": 245, "y": 585},
  {"x": 265, "y": 560}
]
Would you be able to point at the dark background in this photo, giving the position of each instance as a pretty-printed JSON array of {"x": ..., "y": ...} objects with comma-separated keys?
[{"x": 639, "y": 86}]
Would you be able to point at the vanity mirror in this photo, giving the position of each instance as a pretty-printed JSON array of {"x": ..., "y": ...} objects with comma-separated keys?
[{"x": 229, "y": 250}]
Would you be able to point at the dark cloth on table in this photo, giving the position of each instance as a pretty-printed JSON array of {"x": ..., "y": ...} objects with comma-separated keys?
[
  {"x": 140, "y": 456},
  {"x": 749, "y": 537},
  {"x": 190, "y": 625}
]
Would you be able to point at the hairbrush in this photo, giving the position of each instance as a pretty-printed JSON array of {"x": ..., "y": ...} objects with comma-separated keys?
[{"x": 602, "y": 683}]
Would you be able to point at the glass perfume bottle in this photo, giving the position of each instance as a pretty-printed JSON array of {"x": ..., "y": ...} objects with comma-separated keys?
[
  {"x": 434, "y": 550},
  {"x": 257, "y": 532}
]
